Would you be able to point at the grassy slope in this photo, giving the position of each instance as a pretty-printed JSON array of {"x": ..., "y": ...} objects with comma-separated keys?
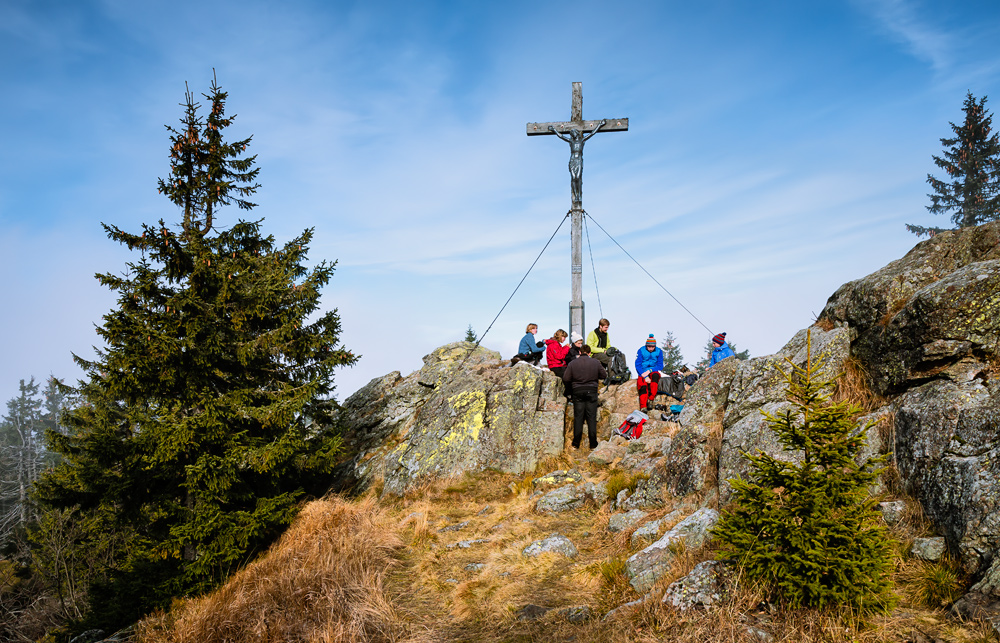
[{"x": 365, "y": 570}]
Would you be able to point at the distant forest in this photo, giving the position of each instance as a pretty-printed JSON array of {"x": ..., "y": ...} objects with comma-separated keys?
[{"x": 23, "y": 450}]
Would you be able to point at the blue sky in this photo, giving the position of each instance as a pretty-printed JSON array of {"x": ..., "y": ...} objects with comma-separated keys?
[{"x": 776, "y": 150}]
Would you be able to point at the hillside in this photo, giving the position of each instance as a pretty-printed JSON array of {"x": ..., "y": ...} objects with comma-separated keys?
[{"x": 458, "y": 479}]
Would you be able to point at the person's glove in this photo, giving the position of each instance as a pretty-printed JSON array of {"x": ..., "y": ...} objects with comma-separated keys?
[{"x": 539, "y": 344}]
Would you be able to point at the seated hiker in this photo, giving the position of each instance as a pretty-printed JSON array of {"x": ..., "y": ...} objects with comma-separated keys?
[
  {"x": 720, "y": 351},
  {"x": 648, "y": 364},
  {"x": 575, "y": 346},
  {"x": 575, "y": 350},
  {"x": 529, "y": 350},
  {"x": 583, "y": 374},
  {"x": 555, "y": 352},
  {"x": 599, "y": 342}
]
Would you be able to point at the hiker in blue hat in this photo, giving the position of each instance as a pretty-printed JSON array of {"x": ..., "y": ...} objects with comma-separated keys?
[
  {"x": 649, "y": 366},
  {"x": 720, "y": 350}
]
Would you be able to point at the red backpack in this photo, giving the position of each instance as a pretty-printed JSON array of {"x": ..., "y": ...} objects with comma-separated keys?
[{"x": 631, "y": 428}]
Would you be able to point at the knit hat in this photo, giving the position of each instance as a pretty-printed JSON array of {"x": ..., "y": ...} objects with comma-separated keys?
[
  {"x": 651, "y": 339},
  {"x": 719, "y": 339},
  {"x": 575, "y": 337}
]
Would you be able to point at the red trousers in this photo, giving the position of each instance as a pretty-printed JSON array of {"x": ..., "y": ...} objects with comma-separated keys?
[{"x": 647, "y": 390}]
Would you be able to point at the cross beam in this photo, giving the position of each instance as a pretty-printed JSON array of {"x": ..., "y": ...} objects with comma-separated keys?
[
  {"x": 576, "y": 131},
  {"x": 576, "y": 120}
]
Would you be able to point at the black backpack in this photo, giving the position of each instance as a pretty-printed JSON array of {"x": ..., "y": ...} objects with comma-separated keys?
[{"x": 618, "y": 372}]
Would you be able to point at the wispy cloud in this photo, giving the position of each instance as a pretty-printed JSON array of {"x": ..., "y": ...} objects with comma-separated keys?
[{"x": 901, "y": 18}]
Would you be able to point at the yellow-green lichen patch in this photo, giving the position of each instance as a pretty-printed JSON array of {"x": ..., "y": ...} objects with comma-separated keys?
[
  {"x": 523, "y": 380},
  {"x": 472, "y": 407}
]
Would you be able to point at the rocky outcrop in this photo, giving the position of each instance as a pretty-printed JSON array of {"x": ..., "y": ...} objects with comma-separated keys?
[
  {"x": 724, "y": 415},
  {"x": 924, "y": 330},
  {"x": 983, "y": 600},
  {"x": 933, "y": 314},
  {"x": 650, "y": 564},
  {"x": 705, "y": 586},
  {"x": 460, "y": 412},
  {"x": 466, "y": 410},
  {"x": 948, "y": 454}
]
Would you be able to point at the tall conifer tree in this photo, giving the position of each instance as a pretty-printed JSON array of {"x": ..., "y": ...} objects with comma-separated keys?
[
  {"x": 205, "y": 418},
  {"x": 971, "y": 190}
]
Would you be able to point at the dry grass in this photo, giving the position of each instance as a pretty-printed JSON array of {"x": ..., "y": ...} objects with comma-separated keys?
[
  {"x": 892, "y": 310},
  {"x": 824, "y": 324},
  {"x": 852, "y": 387},
  {"x": 395, "y": 570},
  {"x": 322, "y": 581},
  {"x": 932, "y": 585},
  {"x": 620, "y": 480}
]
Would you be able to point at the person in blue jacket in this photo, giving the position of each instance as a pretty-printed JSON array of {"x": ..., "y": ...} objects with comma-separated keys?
[
  {"x": 529, "y": 350},
  {"x": 649, "y": 367},
  {"x": 720, "y": 350}
]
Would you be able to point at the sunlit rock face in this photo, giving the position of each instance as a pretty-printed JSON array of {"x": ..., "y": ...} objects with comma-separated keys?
[
  {"x": 933, "y": 314},
  {"x": 463, "y": 411}
]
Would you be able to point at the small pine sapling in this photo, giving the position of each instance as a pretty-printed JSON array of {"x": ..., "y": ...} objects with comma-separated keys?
[{"x": 810, "y": 533}]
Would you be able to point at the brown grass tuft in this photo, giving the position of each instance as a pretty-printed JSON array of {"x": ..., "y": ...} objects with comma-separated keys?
[
  {"x": 322, "y": 581},
  {"x": 824, "y": 324},
  {"x": 852, "y": 387},
  {"x": 892, "y": 310},
  {"x": 620, "y": 480},
  {"x": 934, "y": 585}
]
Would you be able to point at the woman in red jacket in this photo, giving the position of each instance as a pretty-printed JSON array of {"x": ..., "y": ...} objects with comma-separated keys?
[{"x": 555, "y": 352}]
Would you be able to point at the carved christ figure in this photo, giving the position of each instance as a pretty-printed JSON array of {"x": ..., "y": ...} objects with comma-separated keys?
[{"x": 576, "y": 139}]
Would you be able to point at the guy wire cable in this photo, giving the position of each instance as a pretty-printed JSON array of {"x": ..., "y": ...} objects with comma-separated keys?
[
  {"x": 473, "y": 349},
  {"x": 592, "y": 268},
  {"x": 651, "y": 276}
]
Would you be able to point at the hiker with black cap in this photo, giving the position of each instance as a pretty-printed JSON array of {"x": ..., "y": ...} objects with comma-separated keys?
[
  {"x": 720, "y": 350},
  {"x": 583, "y": 375},
  {"x": 649, "y": 365}
]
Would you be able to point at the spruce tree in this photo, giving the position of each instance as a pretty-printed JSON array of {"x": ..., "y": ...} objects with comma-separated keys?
[
  {"x": 971, "y": 190},
  {"x": 205, "y": 417},
  {"x": 470, "y": 335},
  {"x": 810, "y": 533},
  {"x": 672, "y": 357}
]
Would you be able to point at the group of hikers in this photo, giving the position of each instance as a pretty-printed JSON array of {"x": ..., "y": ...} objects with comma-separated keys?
[{"x": 583, "y": 365}]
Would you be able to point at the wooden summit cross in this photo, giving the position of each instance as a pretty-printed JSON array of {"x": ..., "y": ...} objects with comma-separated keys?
[{"x": 576, "y": 132}]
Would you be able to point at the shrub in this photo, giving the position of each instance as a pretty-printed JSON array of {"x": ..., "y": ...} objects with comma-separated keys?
[{"x": 810, "y": 533}]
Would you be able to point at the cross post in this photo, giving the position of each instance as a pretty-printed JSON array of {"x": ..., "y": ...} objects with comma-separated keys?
[{"x": 576, "y": 132}]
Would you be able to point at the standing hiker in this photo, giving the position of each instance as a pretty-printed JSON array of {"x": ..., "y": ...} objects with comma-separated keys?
[{"x": 583, "y": 375}]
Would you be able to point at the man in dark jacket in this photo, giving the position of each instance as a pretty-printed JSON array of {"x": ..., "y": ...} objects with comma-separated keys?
[{"x": 583, "y": 374}]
